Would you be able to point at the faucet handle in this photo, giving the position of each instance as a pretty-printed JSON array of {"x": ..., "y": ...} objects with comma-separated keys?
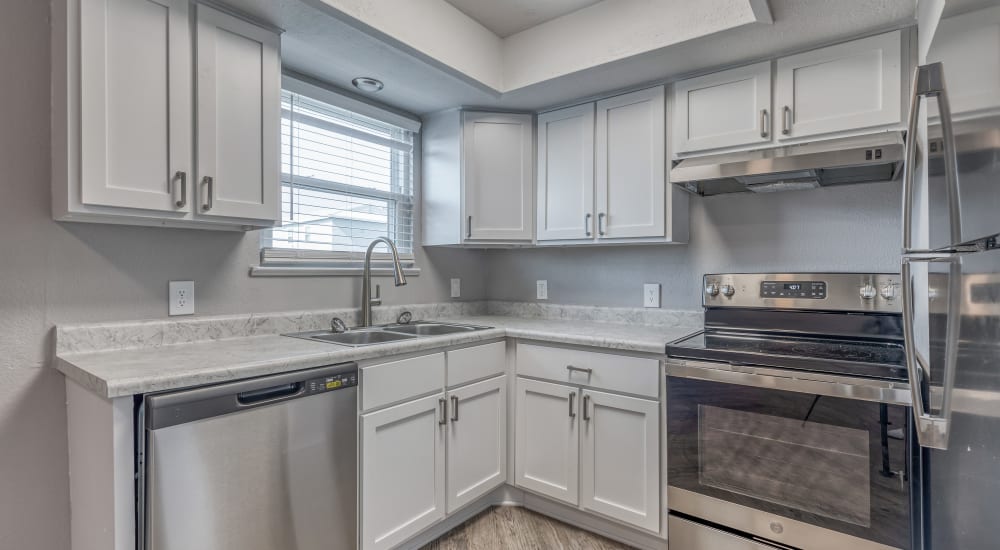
[
  {"x": 377, "y": 300},
  {"x": 337, "y": 325},
  {"x": 404, "y": 318}
]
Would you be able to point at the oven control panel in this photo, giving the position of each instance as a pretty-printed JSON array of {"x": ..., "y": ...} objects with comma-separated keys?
[
  {"x": 875, "y": 292},
  {"x": 810, "y": 290}
]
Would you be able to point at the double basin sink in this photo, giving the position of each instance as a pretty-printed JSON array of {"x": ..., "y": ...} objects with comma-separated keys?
[{"x": 388, "y": 333}]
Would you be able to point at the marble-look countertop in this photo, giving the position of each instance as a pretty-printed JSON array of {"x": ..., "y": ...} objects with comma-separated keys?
[{"x": 123, "y": 372}]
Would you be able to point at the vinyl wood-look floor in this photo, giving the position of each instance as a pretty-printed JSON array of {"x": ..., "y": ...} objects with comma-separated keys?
[{"x": 514, "y": 528}]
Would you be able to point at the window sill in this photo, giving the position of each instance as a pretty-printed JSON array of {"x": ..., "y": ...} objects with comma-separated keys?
[{"x": 286, "y": 271}]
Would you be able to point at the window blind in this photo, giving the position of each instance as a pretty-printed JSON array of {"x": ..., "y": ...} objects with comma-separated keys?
[{"x": 346, "y": 179}]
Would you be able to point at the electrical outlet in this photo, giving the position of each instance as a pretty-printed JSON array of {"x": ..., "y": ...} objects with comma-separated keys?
[
  {"x": 542, "y": 288},
  {"x": 181, "y": 298},
  {"x": 651, "y": 295},
  {"x": 456, "y": 288}
]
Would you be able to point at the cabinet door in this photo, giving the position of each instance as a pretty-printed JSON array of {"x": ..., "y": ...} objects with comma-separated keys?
[
  {"x": 477, "y": 440},
  {"x": 620, "y": 458},
  {"x": 566, "y": 173},
  {"x": 135, "y": 104},
  {"x": 497, "y": 167},
  {"x": 841, "y": 88},
  {"x": 973, "y": 81},
  {"x": 546, "y": 459},
  {"x": 239, "y": 84},
  {"x": 726, "y": 109},
  {"x": 630, "y": 165},
  {"x": 402, "y": 471}
]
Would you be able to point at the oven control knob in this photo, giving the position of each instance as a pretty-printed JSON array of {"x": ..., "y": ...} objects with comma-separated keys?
[
  {"x": 777, "y": 528},
  {"x": 888, "y": 292},
  {"x": 712, "y": 289},
  {"x": 728, "y": 290},
  {"x": 868, "y": 291}
]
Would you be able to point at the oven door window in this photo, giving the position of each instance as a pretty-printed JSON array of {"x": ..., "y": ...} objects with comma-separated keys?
[{"x": 836, "y": 463}]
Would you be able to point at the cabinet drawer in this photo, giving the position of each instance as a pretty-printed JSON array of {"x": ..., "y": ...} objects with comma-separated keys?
[
  {"x": 599, "y": 370},
  {"x": 396, "y": 381},
  {"x": 476, "y": 363}
]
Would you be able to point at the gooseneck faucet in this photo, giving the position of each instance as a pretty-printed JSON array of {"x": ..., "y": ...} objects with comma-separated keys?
[{"x": 366, "y": 280}]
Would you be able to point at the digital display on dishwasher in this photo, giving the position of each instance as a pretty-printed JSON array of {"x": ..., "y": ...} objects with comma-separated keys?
[
  {"x": 811, "y": 290},
  {"x": 331, "y": 383}
]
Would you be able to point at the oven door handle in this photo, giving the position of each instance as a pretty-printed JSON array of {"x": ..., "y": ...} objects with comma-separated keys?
[{"x": 864, "y": 389}]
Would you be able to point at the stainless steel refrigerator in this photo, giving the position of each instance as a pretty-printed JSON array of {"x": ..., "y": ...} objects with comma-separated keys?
[{"x": 951, "y": 297}]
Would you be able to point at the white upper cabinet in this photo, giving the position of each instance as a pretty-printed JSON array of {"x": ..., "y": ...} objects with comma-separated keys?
[
  {"x": 846, "y": 87},
  {"x": 238, "y": 114},
  {"x": 969, "y": 47},
  {"x": 135, "y": 105},
  {"x": 126, "y": 123},
  {"x": 478, "y": 178},
  {"x": 497, "y": 165},
  {"x": 726, "y": 109},
  {"x": 630, "y": 165},
  {"x": 566, "y": 173}
]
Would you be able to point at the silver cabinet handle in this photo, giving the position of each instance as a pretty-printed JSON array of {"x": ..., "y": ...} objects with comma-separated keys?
[
  {"x": 573, "y": 369},
  {"x": 209, "y": 184},
  {"x": 586, "y": 223},
  {"x": 454, "y": 408},
  {"x": 600, "y": 223},
  {"x": 932, "y": 430},
  {"x": 572, "y": 400},
  {"x": 468, "y": 229},
  {"x": 182, "y": 176},
  {"x": 764, "y": 126},
  {"x": 442, "y": 411},
  {"x": 786, "y": 120},
  {"x": 586, "y": 408},
  {"x": 928, "y": 81}
]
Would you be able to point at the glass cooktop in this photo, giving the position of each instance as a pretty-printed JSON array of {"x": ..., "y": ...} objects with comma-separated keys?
[{"x": 876, "y": 359}]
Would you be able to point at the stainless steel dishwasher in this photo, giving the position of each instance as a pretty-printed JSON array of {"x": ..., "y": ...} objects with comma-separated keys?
[{"x": 262, "y": 464}]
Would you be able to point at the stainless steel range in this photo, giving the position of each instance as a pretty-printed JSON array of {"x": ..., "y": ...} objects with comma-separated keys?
[{"x": 788, "y": 417}]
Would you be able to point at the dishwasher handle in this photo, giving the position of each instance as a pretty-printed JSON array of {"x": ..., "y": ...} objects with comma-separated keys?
[
  {"x": 273, "y": 393},
  {"x": 180, "y": 407}
]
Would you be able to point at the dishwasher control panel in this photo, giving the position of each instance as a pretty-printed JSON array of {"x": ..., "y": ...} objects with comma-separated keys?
[{"x": 330, "y": 383}]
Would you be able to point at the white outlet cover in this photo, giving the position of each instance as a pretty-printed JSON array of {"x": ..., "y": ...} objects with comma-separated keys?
[
  {"x": 651, "y": 295},
  {"x": 456, "y": 288},
  {"x": 181, "y": 298},
  {"x": 542, "y": 288}
]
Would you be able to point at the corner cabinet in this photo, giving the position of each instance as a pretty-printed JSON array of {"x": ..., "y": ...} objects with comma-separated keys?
[
  {"x": 973, "y": 80},
  {"x": 602, "y": 174},
  {"x": 478, "y": 187},
  {"x": 138, "y": 87}
]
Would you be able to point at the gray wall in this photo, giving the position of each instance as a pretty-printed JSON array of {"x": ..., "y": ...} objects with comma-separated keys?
[
  {"x": 854, "y": 228},
  {"x": 66, "y": 273}
]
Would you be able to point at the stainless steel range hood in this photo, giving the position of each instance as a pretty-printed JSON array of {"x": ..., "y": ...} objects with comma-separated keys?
[{"x": 861, "y": 159}]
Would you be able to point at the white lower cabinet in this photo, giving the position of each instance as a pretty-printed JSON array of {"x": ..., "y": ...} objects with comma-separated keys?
[
  {"x": 620, "y": 458},
  {"x": 403, "y": 471},
  {"x": 477, "y": 440},
  {"x": 546, "y": 456}
]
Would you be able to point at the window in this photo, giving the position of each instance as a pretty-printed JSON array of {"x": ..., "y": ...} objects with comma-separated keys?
[{"x": 346, "y": 178}]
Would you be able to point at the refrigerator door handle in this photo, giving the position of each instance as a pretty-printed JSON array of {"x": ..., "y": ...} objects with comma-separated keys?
[
  {"x": 932, "y": 430},
  {"x": 928, "y": 81}
]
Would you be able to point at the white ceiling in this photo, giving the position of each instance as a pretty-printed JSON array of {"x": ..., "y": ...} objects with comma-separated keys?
[
  {"x": 507, "y": 17},
  {"x": 322, "y": 43}
]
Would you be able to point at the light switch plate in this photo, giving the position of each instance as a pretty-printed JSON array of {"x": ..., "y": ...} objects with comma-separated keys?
[
  {"x": 456, "y": 288},
  {"x": 651, "y": 295},
  {"x": 181, "y": 298},
  {"x": 542, "y": 288}
]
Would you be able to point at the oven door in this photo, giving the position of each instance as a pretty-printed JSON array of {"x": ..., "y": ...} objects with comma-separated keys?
[{"x": 805, "y": 460}]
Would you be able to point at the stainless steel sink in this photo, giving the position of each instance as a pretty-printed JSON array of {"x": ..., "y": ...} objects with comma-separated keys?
[
  {"x": 353, "y": 338},
  {"x": 431, "y": 329},
  {"x": 380, "y": 335}
]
